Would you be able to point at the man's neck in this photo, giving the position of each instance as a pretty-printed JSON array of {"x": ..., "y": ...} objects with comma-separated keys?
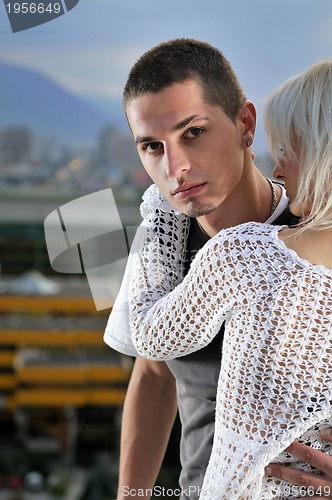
[{"x": 251, "y": 201}]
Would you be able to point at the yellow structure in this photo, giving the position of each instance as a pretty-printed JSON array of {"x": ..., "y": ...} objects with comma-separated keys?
[{"x": 24, "y": 382}]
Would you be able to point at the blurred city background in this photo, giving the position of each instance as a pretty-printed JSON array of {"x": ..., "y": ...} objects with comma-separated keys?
[{"x": 63, "y": 135}]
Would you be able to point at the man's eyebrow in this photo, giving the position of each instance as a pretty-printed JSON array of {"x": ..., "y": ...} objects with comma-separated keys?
[
  {"x": 139, "y": 140},
  {"x": 178, "y": 126},
  {"x": 184, "y": 122}
]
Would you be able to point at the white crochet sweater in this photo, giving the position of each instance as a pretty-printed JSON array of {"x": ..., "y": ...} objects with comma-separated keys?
[{"x": 275, "y": 381}]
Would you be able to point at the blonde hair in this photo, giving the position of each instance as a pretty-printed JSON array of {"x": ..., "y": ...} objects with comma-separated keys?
[{"x": 298, "y": 115}]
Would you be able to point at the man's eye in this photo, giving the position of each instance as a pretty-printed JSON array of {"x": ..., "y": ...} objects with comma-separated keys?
[
  {"x": 193, "y": 132},
  {"x": 152, "y": 147}
]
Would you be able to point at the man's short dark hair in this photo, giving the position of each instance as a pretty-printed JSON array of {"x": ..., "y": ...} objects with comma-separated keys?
[{"x": 184, "y": 59}]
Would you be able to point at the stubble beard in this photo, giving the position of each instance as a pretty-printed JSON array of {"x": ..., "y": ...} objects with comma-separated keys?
[{"x": 195, "y": 209}]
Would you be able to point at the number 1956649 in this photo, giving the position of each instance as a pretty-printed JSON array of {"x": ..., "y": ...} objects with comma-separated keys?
[{"x": 33, "y": 8}]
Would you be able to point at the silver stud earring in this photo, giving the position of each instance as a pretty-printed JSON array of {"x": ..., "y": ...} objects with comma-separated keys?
[{"x": 248, "y": 143}]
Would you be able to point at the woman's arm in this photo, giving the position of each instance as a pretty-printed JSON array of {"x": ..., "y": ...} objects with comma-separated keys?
[{"x": 167, "y": 320}]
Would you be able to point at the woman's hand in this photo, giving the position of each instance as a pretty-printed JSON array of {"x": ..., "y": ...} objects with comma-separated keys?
[{"x": 320, "y": 485}]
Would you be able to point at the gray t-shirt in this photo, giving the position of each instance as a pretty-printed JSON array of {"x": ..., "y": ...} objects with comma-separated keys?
[{"x": 196, "y": 381}]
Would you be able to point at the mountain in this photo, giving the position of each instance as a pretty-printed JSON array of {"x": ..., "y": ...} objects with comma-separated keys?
[
  {"x": 114, "y": 109},
  {"x": 31, "y": 99}
]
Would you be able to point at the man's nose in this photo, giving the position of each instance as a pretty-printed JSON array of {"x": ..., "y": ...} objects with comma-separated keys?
[{"x": 178, "y": 162}]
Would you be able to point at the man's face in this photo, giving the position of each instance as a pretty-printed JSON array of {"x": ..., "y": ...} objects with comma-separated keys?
[{"x": 191, "y": 150}]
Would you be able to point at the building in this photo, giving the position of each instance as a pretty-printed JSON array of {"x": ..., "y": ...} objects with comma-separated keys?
[{"x": 16, "y": 146}]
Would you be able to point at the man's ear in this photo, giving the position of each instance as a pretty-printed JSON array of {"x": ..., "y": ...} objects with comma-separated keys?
[{"x": 247, "y": 119}]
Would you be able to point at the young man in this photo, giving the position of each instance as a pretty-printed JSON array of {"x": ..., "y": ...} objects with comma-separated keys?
[{"x": 193, "y": 128}]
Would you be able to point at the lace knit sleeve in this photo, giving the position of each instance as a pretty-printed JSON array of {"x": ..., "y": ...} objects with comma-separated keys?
[{"x": 169, "y": 319}]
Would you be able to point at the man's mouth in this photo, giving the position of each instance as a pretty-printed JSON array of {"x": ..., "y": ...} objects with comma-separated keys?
[{"x": 186, "y": 190}]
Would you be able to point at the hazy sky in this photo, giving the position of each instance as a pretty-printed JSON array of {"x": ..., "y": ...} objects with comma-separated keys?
[{"x": 90, "y": 49}]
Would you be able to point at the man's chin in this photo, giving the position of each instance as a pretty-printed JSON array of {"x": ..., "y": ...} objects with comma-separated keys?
[{"x": 193, "y": 209}]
